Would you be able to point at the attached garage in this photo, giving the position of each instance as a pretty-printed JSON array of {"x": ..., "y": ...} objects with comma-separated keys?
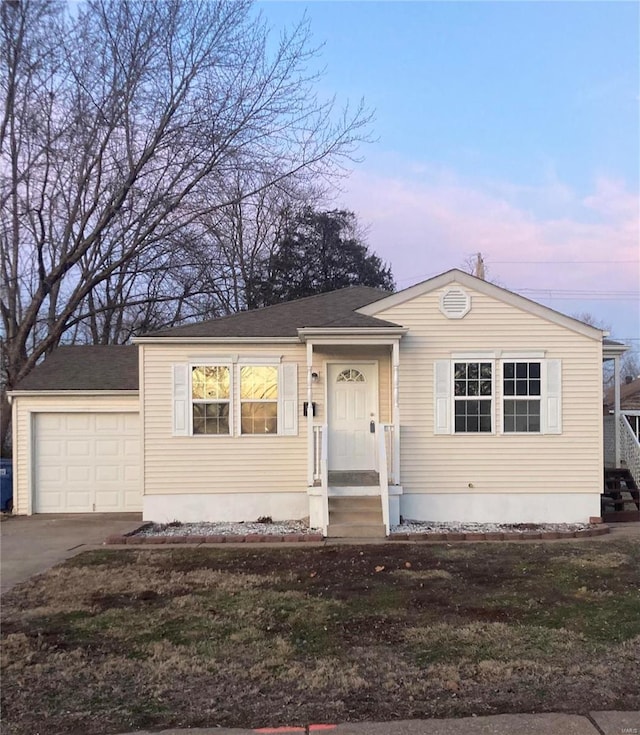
[
  {"x": 86, "y": 462},
  {"x": 76, "y": 433}
]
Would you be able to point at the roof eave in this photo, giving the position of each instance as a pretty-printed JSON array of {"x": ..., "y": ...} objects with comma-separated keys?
[
  {"x": 352, "y": 333},
  {"x": 215, "y": 340},
  {"x": 614, "y": 350},
  {"x": 73, "y": 392}
]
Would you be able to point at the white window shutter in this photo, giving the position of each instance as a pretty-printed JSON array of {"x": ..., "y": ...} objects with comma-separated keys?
[
  {"x": 180, "y": 400},
  {"x": 553, "y": 398},
  {"x": 442, "y": 397},
  {"x": 288, "y": 408}
]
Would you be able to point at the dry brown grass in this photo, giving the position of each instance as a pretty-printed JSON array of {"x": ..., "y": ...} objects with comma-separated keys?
[{"x": 117, "y": 641}]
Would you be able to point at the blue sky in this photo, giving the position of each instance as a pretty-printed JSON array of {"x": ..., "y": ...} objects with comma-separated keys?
[{"x": 509, "y": 128}]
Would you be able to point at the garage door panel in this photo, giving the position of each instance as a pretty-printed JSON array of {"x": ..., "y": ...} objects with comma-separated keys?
[
  {"x": 131, "y": 448},
  {"x": 76, "y": 501},
  {"x": 79, "y": 422},
  {"x": 131, "y": 424},
  {"x": 87, "y": 462},
  {"x": 109, "y": 422},
  {"x": 79, "y": 473},
  {"x": 77, "y": 448},
  {"x": 108, "y": 447},
  {"x": 49, "y": 448}
]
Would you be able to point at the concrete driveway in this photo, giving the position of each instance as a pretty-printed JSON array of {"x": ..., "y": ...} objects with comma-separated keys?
[{"x": 32, "y": 544}]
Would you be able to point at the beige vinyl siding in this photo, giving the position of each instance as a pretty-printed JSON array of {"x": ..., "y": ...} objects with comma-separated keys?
[
  {"x": 23, "y": 409},
  {"x": 509, "y": 463},
  {"x": 217, "y": 464}
]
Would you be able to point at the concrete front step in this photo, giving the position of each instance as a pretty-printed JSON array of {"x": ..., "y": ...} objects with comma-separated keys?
[
  {"x": 356, "y": 516},
  {"x": 366, "y": 478},
  {"x": 355, "y": 502},
  {"x": 356, "y": 530}
]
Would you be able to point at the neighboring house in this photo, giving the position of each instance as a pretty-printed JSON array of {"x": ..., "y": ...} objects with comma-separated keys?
[
  {"x": 451, "y": 400},
  {"x": 629, "y": 408}
]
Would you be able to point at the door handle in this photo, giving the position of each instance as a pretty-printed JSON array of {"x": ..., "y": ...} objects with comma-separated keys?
[{"x": 372, "y": 426}]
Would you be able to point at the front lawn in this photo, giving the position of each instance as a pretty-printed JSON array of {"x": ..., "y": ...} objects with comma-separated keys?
[{"x": 114, "y": 641}]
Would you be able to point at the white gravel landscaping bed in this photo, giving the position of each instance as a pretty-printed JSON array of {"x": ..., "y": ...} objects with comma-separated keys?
[
  {"x": 409, "y": 526},
  {"x": 277, "y": 528}
]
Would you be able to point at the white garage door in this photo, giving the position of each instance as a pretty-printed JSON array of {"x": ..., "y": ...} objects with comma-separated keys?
[{"x": 86, "y": 462}]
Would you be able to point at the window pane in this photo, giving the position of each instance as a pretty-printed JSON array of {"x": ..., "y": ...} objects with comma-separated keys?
[
  {"x": 473, "y": 370},
  {"x": 521, "y": 370},
  {"x": 460, "y": 370},
  {"x": 485, "y": 370},
  {"x": 472, "y": 416},
  {"x": 210, "y": 383},
  {"x": 460, "y": 387},
  {"x": 259, "y": 418},
  {"x": 521, "y": 387},
  {"x": 473, "y": 388},
  {"x": 485, "y": 423},
  {"x": 534, "y": 387},
  {"x": 259, "y": 382},
  {"x": 522, "y": 416},
  {"x": 534, "y": 370},
  {"x": 509, "y": 387},
  {"x": 509, "y": 368},
  {"x": 210, "y": 418},
  {"x": 485, "y": 387}
]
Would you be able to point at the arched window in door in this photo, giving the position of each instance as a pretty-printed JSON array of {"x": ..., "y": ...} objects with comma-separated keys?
[{"x": 350, "y": 375}]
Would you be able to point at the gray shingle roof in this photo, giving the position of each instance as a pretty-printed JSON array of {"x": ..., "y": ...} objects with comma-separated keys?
[
  {"x": 86, "y": 367},
  {"x": 333, "y": 309}
]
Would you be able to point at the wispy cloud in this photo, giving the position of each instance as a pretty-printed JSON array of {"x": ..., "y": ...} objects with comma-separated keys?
[{"x": 426, "y": 223}]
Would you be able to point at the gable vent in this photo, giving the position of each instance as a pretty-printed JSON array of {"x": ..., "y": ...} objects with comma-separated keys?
[{"x": 455, "y": 303}]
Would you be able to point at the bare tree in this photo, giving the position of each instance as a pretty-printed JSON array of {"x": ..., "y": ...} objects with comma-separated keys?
[{"x": 123, "y": 125}]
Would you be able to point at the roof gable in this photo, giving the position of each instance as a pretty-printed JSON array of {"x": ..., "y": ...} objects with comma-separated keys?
[{"x": 486, "y": 288}]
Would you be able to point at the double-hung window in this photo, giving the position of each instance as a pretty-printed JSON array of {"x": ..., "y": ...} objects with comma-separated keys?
[
  {"x": 473, "y": 397},
  {"x": 259, "y": 399},
  {"x": 235, "y": 395},
  {"x": 497, "y": 394},
  {"x": 211, "y": 399},
  {"x": 522, "y": 391}
]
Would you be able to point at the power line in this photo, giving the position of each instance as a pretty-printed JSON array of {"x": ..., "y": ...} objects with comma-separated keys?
[{"x": 563, "y": 262}]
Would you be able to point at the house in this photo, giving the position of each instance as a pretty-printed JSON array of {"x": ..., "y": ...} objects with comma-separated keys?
[
  {"x": 452, "y": 400},
  {"x": 629, "y": 409}
]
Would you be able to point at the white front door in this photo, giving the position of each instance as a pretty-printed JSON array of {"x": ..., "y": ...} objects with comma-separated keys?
[{"x": 352, "y": 397}]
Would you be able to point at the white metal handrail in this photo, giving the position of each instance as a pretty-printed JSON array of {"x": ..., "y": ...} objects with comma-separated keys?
[
  {"x": 317, "y": 452},
  {"x": 629, "y": 448},
  {"x": 384, "y": 475},
  {"x": 324, "y": 478},
  {"x": 390, "y": 448}
]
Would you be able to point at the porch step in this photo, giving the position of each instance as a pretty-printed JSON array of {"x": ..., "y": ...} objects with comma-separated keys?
[
  {"x": 355, "y": 516},
  {"x": 366, "y": 478},
  {"x": 356, "y": 530},
  {"x": 620, "y": 501}
]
